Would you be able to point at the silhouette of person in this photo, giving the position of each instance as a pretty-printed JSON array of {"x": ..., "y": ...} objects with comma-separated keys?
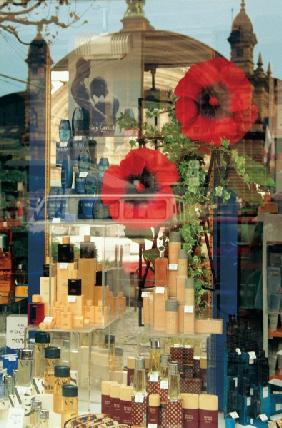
[
  {"x": 79, "y": 91},
  {"x": 104, "y": 109}
]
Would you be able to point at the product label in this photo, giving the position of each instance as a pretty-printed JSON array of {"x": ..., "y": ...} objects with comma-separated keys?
[
  {"x": 173, "y": 266},
  {"x": 190, "y": 418},
  {"x": 83, "y": 174},
  {"x": 126, "y": 412},
  {"x": 160, "y": 290},
  {"x": 263, "y": 417},
  {"x": 154, "y": 415},
  {"x": 63, "y": 144},
  {"x": 145, "y": 294},
  {"x": 56, "y": 220},
  {"x": 234, "y": 415},
  {"x": 115, "y": 403},
  {"x": 236, "y": 382},
  {"x": 248, "y": 401},
  {"x": 106, "y": 405},
  {"x": 71, "y": 299},
  {"x": 208, "y": 418},
  {"x": 154, "y": 377},
  {"x": 164, "y": 384},
  {"x": 63, "y": 265},
  {"x": 188, "y": 309},
  {"x": 15, "y": 418},
  {"x": 139, "y": 397},
  {"x": 251, "y": 392},
  {"x": 265, "y": 392},
  {"x": 152, "y": 425}
]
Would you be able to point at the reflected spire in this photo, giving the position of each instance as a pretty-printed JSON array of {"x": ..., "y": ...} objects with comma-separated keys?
[{"x": 243, "y": 6}]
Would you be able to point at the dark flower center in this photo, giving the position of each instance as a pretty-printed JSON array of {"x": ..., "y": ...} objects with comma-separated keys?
[
  {"x": 144, "y": 184},
  {"x": 213, "y": 101}
]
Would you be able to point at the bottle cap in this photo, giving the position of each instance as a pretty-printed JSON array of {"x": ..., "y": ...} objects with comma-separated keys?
[
  {"x": 182, "y": 254},
  {"x": 154, "y": 400},
  {"x": 140, "y": 363},
  {"x": 164, "y": 360},
  {"x": 25, "y": 354},
  {"x": 62, "y": 371},
  {"x": 189, "y": 283},
  {"x": 44, "y": 414},
  {"x": 52, "y": 352},
  {"x": 175, "y": 237},
  {"x": 171, "y": 305},
  {"x": 42, "y": 337},
  {"x": 155, "y": 343},
  {"x": 69, "y": 390},
  {"x": 173, "y": 368}
]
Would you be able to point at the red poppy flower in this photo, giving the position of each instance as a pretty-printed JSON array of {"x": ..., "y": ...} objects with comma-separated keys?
[
  {"x": 138, "y": 191},
  {"x": 215, "y": 102}
]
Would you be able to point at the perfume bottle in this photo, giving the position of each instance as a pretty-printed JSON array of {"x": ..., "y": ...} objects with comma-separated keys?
[
  {"x": 154, "y": 411},
  {"x": 62, "y": 377},
  {"x": 84, "y": 160},
  {"x": 155, "y": 356},
  {"x": 36, "y": 407},
  {"x": 126, "y": 394},
  {"x": 52, "y": 358},
  {"x": 161, "y": 265},
  {"x": 139, "y": 400},
  {"x": 173, "y": 382},
  {"x": 44, "y": 418},
  {"x": 24, "y": 373},
  {"x": 42, "y": 339},
  {"x": 164, "y": 378},
  {"x": 110, "y": 341},
  {"x": 66, "y": 173},
  {"x": 139, "y": 381},
  {"x": 64, "y": 130},
  {"x": 70, "y": 403}
]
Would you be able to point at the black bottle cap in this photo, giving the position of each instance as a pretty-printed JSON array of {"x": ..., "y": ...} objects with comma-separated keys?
[
  {"x": 52, "y": 352},
  {"x": 42, "y": 337},
  {"x": 99, "y": 278},
  {"x": 69, "y": 390},
  {"x": 62, "y": 371}
]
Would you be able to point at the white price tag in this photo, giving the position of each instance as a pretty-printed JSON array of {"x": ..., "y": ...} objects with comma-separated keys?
[
  {"x": 265, "y": 392},
  {"x": 56, "y": 220},
  {"x": 251, "y": 422},
  {"x": 48, "y": 320},
  {"x": 251, "y": 392},
  {"x": 63, "y": 144},
  {"x": 238, "y": 350},
  {"x": 77, "y": 138},
  {"x": 252, "y": 356},
  {"x": 145, "y": 294},
  {"x": 234, "y": 415},
  {"x": 188, "y": 309},
  {"x": 15, "y": 418},
  {"x": 160, "y": 290},
  {"x": 154, "y": 377},
  {"x": 139, "y": 397},
  {"x": 71, "y": 299},
  {"x": 83, "y": 174},
  {"x": 173, "y": 266},
  {"x": 236, "y": 382},
  {"x": 248, "y": 401},
  {"x": 152, "y": 425},
  {"x": 263, "y": 417},
  {"x": 63, "y": 265},
  {"x": 164, "y": 384},
  {"x": 15, "y": 331}
]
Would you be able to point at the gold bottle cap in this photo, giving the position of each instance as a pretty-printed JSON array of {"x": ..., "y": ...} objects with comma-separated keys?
[
  {"x": 131, "y": 362},
  {"x": 126, "y": 393},
  {"x": 154, "y": 400},
  {"x": 190, "y": 401},
  {"x": 208, "y": 402},
  {"x": 115, "y": 390}
]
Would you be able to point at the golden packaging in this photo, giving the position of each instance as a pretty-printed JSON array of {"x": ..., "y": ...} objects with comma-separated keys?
[
  {"x": 70, "y": 403},
  {"x": 62, "y": 377}
]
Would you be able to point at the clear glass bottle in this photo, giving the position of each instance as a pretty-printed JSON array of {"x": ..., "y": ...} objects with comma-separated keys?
[
  {"x": 62, "y": 377},
  {"x": 52, "y": 358},
  {"x": 42, "y": 339},
  {"x": 36, "y": 407},
  {"x": 24, "y": 373},
  {"x": 155, "y": 356},
  {"x": 173, "y": 382},
  {"x": 110, "y": 343},
  {"x": 70, "y": 403},
  {"x": 44, "y": 418},
  {"x": 139, "y": 381},
  {"x": 164, "y": 378}
]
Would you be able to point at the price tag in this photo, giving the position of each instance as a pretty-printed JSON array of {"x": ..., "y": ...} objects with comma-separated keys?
[
  {"x": 63, "y": 265},
  {"x": 63, "y": 144},
  {"x": 164, "y": 384},
  {"x": 251, "y": 422},
  {"x": 234, "y": 415},
  {"x": 71, "y": 299},
  {"x": 173, "y": 266},
  {"x": 265, "y": 392},
  {"x": 15, "y": 418},
  {"x": 251, "y": 392},
  {"x": 83, "y": 174},
  {"x": 160, "y": 290},
  {"x": 248, "y": 401},
  {"x": 188, "y": 309},
  {"x": 154, "y": 377},
  {"x": 263, "y": 417},
  {"x": 56, "y": 220},
  {"x": 252, "y": 356},
  {"x": 48, "y": 320},
  {"x": 139, "y": 398},
  {"x": 152, "y": 425},
  {"x": 145, "y": 294},
  {"x": 15, "y": 331},
  {"x": 238, "y": 350},
  {"x": 77, "y": 138},
  {"x": 236, "y": 382}
]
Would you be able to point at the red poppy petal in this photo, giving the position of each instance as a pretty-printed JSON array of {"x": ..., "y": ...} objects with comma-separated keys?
[{"x": 186, "y": 110}]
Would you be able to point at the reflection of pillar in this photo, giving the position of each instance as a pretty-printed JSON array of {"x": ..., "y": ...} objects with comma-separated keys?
[{"x": 38, "y": 101}]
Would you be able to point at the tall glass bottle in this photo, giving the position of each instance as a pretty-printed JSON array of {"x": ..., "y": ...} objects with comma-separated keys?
[
  {"x": 36, "y": 407},
  {"x": 139, "y": 381},
  {"x": 155, "y": 356},
  {"x": 24, "y": 373},
  {"x": 62, "y": 377},
  {"x": 173, "y": 382},
  {"x": 52, "y": 358},
  {"x": 164, "y": 378},
  {"x": 139, "y": 405},
  {"x": 42, "y": 339},
  {"x": 70, "y": 403}
]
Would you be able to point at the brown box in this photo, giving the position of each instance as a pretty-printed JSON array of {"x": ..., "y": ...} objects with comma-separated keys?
[
  {"x": 189, "y": 322},
  {"x": 87, "y": 274},
  {"x": 209, "y": 326},
  {"x": 159, "y": 309},
  {"x": 77, "y": 321},
  {"x": 75, "y": 305},
  {"x": 181, "y": 318},
  {"x": 64, "y": 272}
]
